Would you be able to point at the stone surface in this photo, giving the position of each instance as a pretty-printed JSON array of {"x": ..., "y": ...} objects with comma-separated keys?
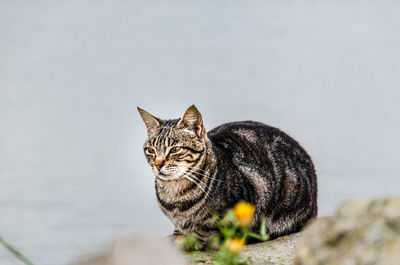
[
  {"x": 278, "y": 251},
  {"x": 360, "y": 232}
]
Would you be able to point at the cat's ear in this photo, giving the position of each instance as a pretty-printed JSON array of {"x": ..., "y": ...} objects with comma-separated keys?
[
  {"x": 193, "y": 121},
  {"x": 150, "y": 121}
]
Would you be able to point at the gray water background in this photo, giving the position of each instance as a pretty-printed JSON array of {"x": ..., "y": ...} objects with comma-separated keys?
[{"x": 72, "y": 171}]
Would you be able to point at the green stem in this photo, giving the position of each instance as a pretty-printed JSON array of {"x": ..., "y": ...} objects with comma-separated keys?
[{"x": 18, "y": 254}]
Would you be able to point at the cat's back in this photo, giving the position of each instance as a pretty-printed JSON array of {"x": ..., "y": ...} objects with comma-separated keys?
[
  {"x": 255, "y": 143},
  {"x": 247, "y": 134}
]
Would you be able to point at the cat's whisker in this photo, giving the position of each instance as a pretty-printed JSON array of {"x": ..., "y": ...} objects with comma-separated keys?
[
  {"x": 203, "y": 175},
  {"x": 192, "y": 180},
  {"x": 207, "y": 193},
  {"x": 190, "y": 173},
  {"x": 199, "y": 169},
  {"x": 200, "y": 182},
  {"x": 185, "y": 170}
]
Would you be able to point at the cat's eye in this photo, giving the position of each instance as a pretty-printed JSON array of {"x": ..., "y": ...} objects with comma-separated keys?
[
  {"x": 175, "y": 149},
  {"x": 150, "y": 151}
]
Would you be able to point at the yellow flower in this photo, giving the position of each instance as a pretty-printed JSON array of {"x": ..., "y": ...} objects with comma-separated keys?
[
  {"x": 234, "y": 245},
  {"x": 244, "y": 212}
]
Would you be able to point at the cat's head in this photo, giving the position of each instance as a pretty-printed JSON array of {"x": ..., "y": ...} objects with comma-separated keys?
[{"x": 175, "y": 148}]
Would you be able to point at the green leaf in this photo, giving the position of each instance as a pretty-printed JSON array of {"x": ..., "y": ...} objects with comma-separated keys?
[
  {"x": 16, "y": 253},
  {"x": 263, "y": 231}
]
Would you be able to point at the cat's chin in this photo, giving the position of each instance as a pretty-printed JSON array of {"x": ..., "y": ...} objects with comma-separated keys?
[{"x": 167, "y": 177}]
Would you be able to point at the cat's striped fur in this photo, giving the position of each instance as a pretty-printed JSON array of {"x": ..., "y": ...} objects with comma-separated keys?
[{"x": 198, "y": 172}]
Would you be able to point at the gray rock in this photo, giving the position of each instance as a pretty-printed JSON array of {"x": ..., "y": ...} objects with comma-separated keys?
[{"x": 360, "y": 232}]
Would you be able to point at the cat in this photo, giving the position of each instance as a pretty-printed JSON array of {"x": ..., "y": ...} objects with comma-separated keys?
[{"x": 198, "y": 172}]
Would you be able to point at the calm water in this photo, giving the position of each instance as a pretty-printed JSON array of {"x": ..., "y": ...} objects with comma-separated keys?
[{"x": 72, "y": 171}]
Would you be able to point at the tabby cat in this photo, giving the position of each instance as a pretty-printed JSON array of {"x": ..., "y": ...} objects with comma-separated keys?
[{"x": 198, "y": 173}]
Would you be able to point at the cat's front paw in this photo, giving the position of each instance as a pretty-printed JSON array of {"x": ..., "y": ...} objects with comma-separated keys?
[
  {"x": 177, "y": 240},
  {"x": 187, "y": 242}
]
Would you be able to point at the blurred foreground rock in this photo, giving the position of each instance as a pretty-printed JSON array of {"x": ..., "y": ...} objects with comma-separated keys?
[
  {"x": 144, "y": 250},
  {"x": 360, "y": 232},
  {"x": 136, "y": 250}
]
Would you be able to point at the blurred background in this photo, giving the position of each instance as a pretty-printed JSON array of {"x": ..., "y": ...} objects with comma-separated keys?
[{"x": 72, "y": 169}]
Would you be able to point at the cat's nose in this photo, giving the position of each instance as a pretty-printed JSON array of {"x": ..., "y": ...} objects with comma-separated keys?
[{"x": 159, "y": 164}]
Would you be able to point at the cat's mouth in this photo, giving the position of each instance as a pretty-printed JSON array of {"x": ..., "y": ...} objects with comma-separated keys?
[{"x": 168, "y": 174}]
